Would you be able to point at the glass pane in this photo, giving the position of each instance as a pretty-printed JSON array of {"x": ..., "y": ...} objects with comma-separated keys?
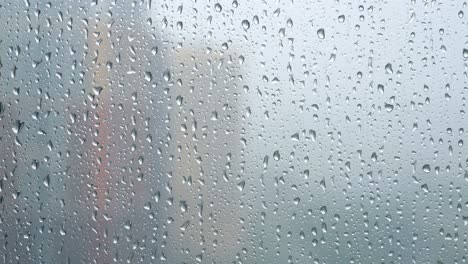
[{"x": 297, "y": 131}]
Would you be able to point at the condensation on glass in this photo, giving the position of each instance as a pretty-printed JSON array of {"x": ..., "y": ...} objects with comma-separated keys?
[{"x": 293, "y": 131}]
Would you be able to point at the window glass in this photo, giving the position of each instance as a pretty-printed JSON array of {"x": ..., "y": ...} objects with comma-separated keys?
[{"x": 152, "y": 131}]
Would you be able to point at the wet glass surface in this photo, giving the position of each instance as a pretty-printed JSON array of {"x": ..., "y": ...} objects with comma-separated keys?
[{"x": 233, "y": 131}]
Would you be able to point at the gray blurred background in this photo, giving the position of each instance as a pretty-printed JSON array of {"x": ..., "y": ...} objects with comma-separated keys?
[{"x": 233, "y": 132}]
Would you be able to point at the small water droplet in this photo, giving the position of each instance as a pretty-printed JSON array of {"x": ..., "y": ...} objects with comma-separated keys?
[
  {"x": 241, "y": 185},
  {"x": 427, "y": 168},
  {"x": 179, "y": 100},
  {"x": 167, "y": 75},
  {"x": 245, "y": 24},
  {"x": 276, "y": 155},
  {"x": 46, "y": 181},
  {"x": 388, "y": 107},
  {"x": 321, "y": 33},
  {"x": 388, "y": 68},
  {"x": 148, "y": 76},
  {"x": 218, "y": 7}
]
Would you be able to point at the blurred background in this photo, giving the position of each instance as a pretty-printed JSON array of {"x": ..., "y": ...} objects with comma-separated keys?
[{"x": 154, "y": 131}]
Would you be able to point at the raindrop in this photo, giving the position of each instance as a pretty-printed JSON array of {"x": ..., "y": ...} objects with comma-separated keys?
[
  {"x": 167, "y": 75},
  {"x": 148, "y": 76},
  {"x": 245, "y": 24},
  {"x": 427, "y": 168},
  {"x": 388, "y": 68},
  {"x": 321, "y": 33},
  {"x": 46, "y": 181},
  {"x": 179, "y": 100},
  {"x": 276, "y": 155}
]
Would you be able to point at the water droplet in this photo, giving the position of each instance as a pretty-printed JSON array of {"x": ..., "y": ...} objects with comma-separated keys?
[
  {"x": 388, "y": 107},
  {"x": 241, "y": 185},
  {"x": 245, "y": 24},
  {"x": 46, "y": 181},
  {"x": 427, "y": 168},
  {"x": 276, "y": 155},
  {"x": 295, "y": 137},
  {"x": 183, "y": 206},
  {"x": 218, "y": 7},
  {"x": 179, "y": 100},
  {"x": 321, "y": 33},
  {"x": 388, "y": 68},
  {"x": 167, "y": 75}
]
